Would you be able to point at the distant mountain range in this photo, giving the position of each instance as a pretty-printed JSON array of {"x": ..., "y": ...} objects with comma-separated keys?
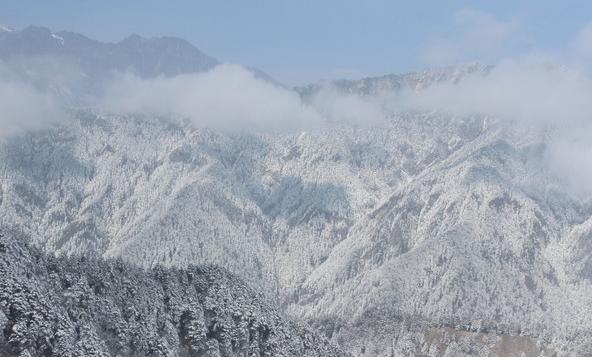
[
  {"x": 145, "y": 57},
  {"x": 425, "y": 235},
  {"x": 74, "y": 66},
  {"x": 396, "y": 82}
]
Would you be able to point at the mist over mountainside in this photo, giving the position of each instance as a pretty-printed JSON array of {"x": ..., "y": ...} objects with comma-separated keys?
[
  {"x": 394, "y": 224},
  {"x": 396, "y": 82},
  {"x": 74, "y": 68}
]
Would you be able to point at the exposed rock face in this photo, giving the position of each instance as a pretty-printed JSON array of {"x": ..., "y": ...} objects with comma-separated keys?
[{"x": 90, "y": 307}]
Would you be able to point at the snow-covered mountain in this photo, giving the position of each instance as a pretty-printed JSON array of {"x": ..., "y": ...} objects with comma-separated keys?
[
  {"x": 394, "y": 82},
  {"x": 424, "y": 234},
  {"x": 88, "y": 307},
  {"x": 450, "y": 221}
]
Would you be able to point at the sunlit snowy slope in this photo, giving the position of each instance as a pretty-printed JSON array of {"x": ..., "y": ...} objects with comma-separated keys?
[{"x": 424, "y": 233}]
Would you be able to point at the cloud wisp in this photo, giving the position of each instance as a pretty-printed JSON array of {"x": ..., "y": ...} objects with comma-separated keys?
[
  {"x": 532, "y": 97},
  {"x": 533, "y": 89},
  {"x": 227, "y": 97},
  {"x": 37, "y": 92},
  {"x": 231, "y": 97},
  {"x": 476, "y": 36},
  {"x": 24, "y": 107},
  {"x": 522, "y": 89}
]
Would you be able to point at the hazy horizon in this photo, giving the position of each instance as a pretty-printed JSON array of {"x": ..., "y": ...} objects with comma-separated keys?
[{"x": 299, "y": 43}]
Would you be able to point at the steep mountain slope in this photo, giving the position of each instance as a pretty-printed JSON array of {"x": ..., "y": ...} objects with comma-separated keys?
[
  {"x": 448, "y": 221},
  {"x": 480, "y": 252},
  {"x": 425, "y": 234},
  {"x": 90, "y": 307},
  {"x": 468, "y": 243},
  {"x": 113, "y": 184}
]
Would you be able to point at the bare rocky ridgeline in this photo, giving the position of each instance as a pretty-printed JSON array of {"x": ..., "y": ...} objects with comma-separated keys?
[{"x": 424, "y": 235}]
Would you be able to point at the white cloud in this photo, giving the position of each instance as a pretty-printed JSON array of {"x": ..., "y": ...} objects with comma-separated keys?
[
  {"x": 23, "y": 107},
  {"x": 536, "y": 90},
  {"x": 476, "y": 36},
  {"x": 228, "y": 97},
  {"x": 34, "y": 93},
  {"x": 525, "y": 91},
  {"x": 581, "y": 46},
  {"x": 534, "y": 97},
  {"x": 570, "y": 158},
  {"x": 336, "y": 106}
]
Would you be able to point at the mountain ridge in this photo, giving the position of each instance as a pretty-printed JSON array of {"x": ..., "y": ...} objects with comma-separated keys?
[
  {"x": 333, "y": 240},
  {"x": 146, "y": 57},
  {"x": 424, "y": 234}
]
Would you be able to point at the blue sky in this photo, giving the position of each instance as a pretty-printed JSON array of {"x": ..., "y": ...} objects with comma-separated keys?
[{"x": 302, "y": 41}]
